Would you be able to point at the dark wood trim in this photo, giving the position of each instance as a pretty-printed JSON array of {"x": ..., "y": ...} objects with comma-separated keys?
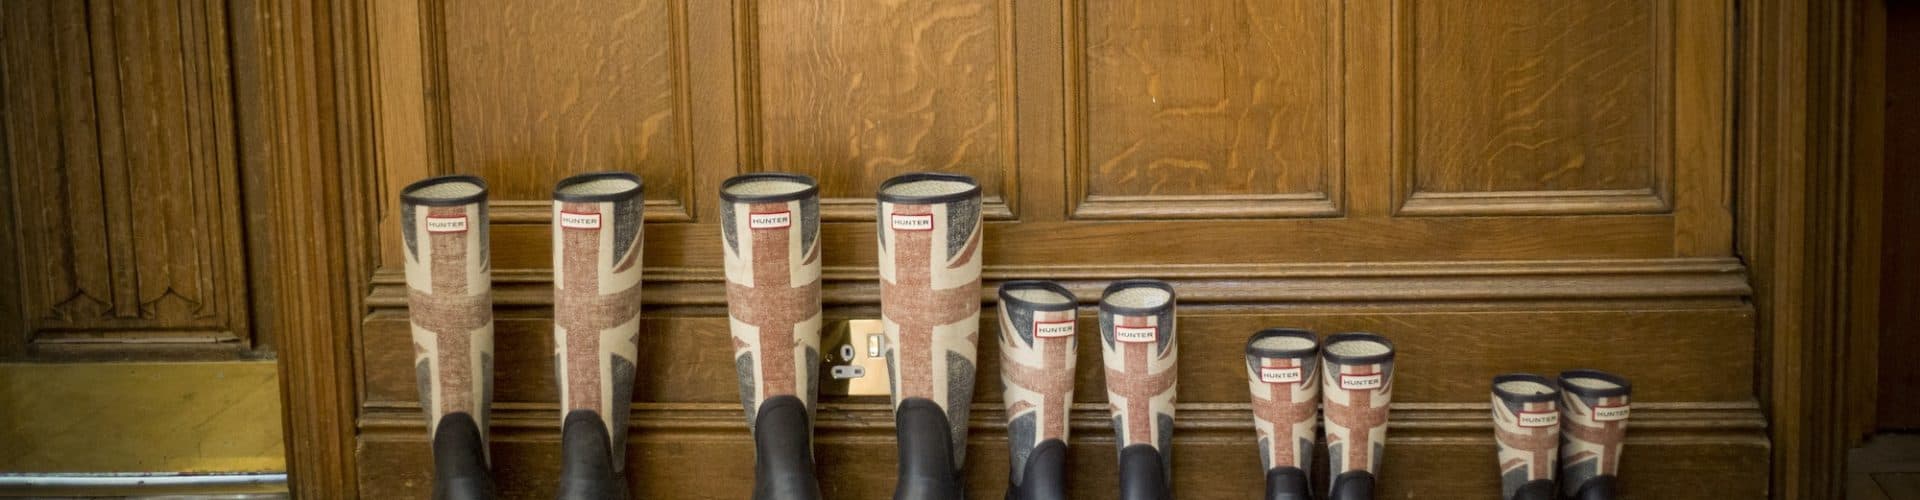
[
  {"x": 314, "y": 220},
  {"x": 1797, "y": 230}
]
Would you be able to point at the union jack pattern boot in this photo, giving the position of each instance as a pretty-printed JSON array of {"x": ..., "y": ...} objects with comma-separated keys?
[
  {"x": 1283, "y": 375},
  {"x": 450, "y": 306},
  {"x": 1593, "y": 429},
  {"x": 1138, "y": 348},
  {"x": 597, "y": 241},
  {"x": 1526, "y": 425},
  {"x": 1358, "y": 391},
  {"x": 771, "y": 226},
  {"x": 1037, "y": 349},
  {"x": 930, "y": 251}
]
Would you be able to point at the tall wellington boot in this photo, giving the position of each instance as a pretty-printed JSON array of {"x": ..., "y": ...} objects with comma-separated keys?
[
  {"x": 930, "y": 237},
  {"x": 1138, "y": 348},
  {"x": 771, "y": 227},
  {"x": 1357, "y": 390},
  {"x": 1593, "y": 427},
  {"x": 450, "y": 306},
  {"x": 1283, "y": 375},
  {"x": 1037, "y": 350},
  {"x": 1526, "y": 425},
  {"x": 597, "y": 239}
]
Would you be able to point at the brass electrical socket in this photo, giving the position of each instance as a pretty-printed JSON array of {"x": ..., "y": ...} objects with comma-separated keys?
[{"x": 853, "y": 359}]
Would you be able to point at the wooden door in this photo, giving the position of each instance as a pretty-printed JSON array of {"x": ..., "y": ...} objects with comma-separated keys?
[{"x": 1498, "y": 186}]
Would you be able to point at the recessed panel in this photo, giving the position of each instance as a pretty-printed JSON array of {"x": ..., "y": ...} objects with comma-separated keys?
[
  {"x": 539, "y": 90},
  {"x": 855, "y": 91},
  {"x": 1527, "y": 96},
  {"x": 1210, "y": 98}
]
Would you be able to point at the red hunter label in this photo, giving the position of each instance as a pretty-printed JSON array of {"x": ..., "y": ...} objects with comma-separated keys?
[
  {"x": 1614, "y": 413},
  {"x": 1281, "y": 375},
  {"x": 770, "y": 220},
  {"x": 1053, "y": 329},
  {"x": 1136, "y": 333},
  {"x": 1361, "y": 381},
  {"x": 1549, "y": 418},
  {"x": 908, "y": 222},
  {"x": 447, "y": 224},
  {"x": 576, "y": 220}
]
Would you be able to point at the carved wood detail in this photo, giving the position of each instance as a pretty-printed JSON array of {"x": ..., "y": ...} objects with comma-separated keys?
[
  {"x": 124, "y": 180},
  {"x": 1208, "y": 109},
  {"x": 1562, "y": 108},
  {"x": 854, "y": 92}
]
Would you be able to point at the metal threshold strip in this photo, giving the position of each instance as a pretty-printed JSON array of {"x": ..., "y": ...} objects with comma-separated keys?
[{"x": 140, "y": 483}]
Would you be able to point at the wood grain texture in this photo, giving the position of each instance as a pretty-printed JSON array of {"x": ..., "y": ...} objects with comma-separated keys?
[
  {"x": 124, "y": 178},
  {"x": 537, "y": 91},
  {"x": 697, "y": 452},
  {"x": 312, "y": 62},
  {"x": 1211, "y": 108},
  {"x": 1899, "y": 337},
  {"x": 854, "y": 92},
  {"x": 1796, "y": 205},
  {"x": 1537, "y": 107},
  {"x": 1447, "y": 354}
]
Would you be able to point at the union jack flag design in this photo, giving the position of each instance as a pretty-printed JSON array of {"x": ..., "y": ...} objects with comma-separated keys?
[
  {"x": 449, "y": 295},
  {"x": 1526, "y": 427},
  {"x": 771, "y": 227},
  {"x": 597, "y": 241},
  {"x": 1358, "y": 392},
  {"x": 1283, "y": 377},
  {"x": 1037, "y": 350},
  {"x": 1593, "y": 426},
  {"x": 1138, "y": 346},
  {"x": 930, "y": 245}
]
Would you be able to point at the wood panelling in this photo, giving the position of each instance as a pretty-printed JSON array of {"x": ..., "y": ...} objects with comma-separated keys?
[
  {"x": 703, "y": 452},
  {"x": 1219, "y": 108},
  {"x": 535, "y": 92},
  {"x": 1446, "y": 356},
  {"x": 1532, "y": 187},
  {"x": 1529, "y": 107},
  {"x": 123, "y": 185},
  {"x": 853, "y": 92}
]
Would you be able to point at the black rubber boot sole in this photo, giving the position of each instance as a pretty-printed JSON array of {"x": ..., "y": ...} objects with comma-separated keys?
[
  {"x": 1598, "y": 488},
  {"x": 783, "y": 451},
  {"x": 1143, "y": 474},
  {"x": 1288, "y": 483},
  {"x": 586, "y": 460},
  {"x": 1352, "y": 485},
  {"x": 1539, "y": 489},
  {"x": 460, "y": 460},
  {"x": 926, "y": 453},
  {"x": 1045, "y": 475}
]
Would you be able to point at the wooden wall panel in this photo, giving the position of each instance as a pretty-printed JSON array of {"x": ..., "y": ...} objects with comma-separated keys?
[
  {"x": 853, "y": 92},
  {"x": 535, "y": 92},
  {"x": 123, "y": 176},
  {"x": 1450, "y": 355},
  {"x": 1291, "y": 163},
  {"x": 1433, "y": 452},
  {"x": 1519, "y": 106},
  {"x": 1208, "y": 108}
]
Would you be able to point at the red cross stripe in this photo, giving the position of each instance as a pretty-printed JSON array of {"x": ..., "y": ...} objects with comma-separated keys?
[
  {"x": 912, "y": 303},
  {"x": 1540, "y": 442},
  {"x": 1282, "y": 412},
  {"x": 1137, "y": 383},
  {"x": 1053, "y": 380},
  {"x": 452, "y": 311},
  {"x": 588, "y": 312},
  {"x": 1605, "y": 435},
  {"x": 1360, "y": 417},
  {"x": 774, "y": 305}
]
